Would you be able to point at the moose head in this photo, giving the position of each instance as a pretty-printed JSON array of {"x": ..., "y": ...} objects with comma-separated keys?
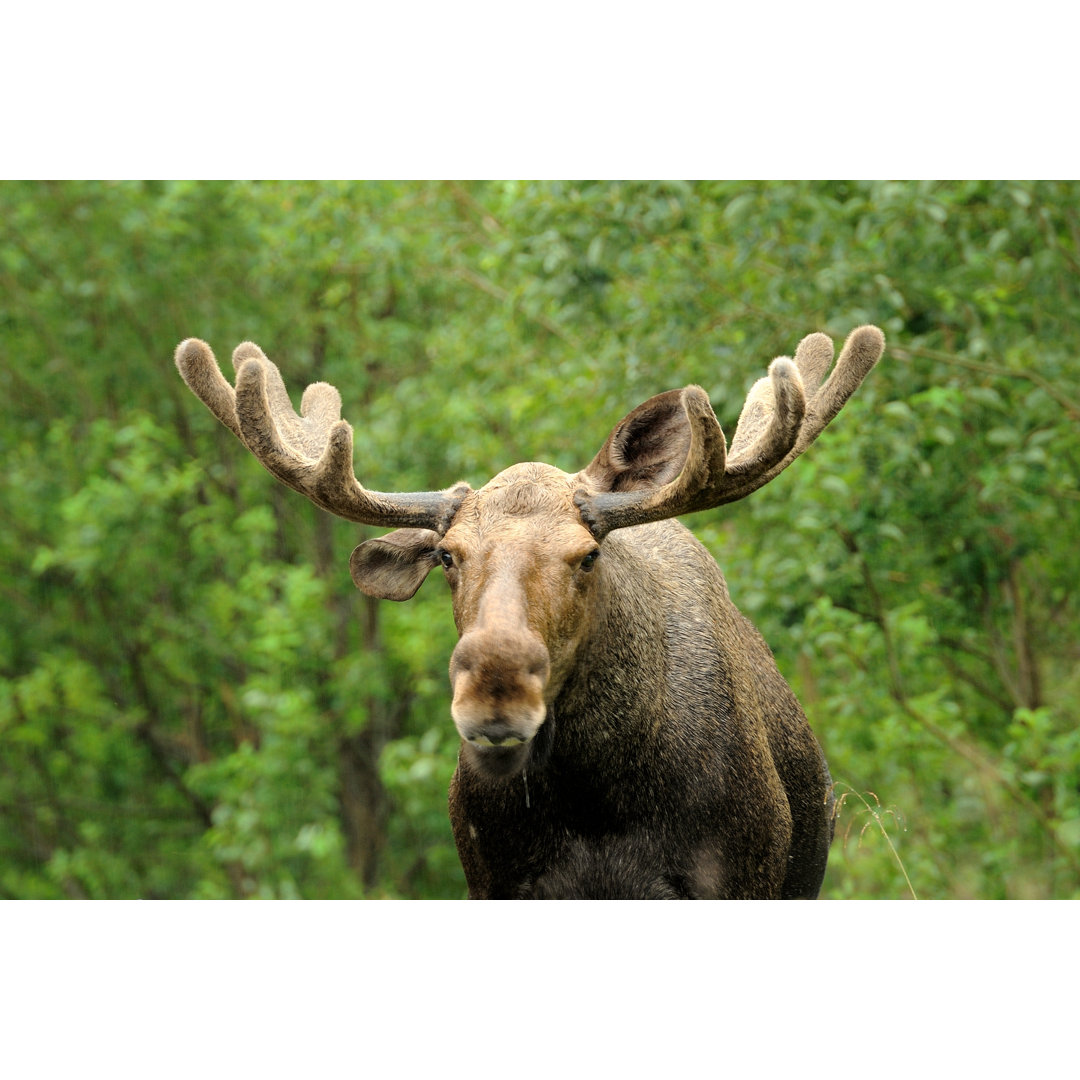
[{"x": 524, "y": 553}]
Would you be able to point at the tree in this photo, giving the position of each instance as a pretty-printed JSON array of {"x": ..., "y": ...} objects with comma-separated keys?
[{"x": 196, "y": 703}]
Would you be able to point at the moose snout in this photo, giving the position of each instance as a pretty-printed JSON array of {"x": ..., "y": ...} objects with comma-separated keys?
[{"x": 499, "y": 682}]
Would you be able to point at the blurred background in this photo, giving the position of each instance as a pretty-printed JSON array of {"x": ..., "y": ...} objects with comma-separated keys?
[{"x": 196, "y": 702}]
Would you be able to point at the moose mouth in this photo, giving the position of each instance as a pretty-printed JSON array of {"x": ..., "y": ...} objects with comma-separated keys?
[
  {"x": 500, "y": 751},
  {"x": 497, "y": 738},
  {"x": 497, "y": 760},
  {"x": 505, "y": 742}
]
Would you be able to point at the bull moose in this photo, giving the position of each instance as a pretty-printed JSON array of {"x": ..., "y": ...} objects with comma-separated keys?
[{"x": 625, "y": 732}]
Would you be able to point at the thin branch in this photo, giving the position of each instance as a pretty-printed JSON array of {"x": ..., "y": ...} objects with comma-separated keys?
[
  {"x": 471, "y": 208},
  {"x": 484, "y": 285},
  {"x": 148, "y": 736},
  {"x": 904, "y": 352},
  {"x": 973, "y": 681},
  {"x": 972, "y": 754}
]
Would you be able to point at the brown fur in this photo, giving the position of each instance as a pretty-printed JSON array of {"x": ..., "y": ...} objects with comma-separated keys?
[
  {"x": 625, "y": 730},
  {"x": 670, "y": 739}
]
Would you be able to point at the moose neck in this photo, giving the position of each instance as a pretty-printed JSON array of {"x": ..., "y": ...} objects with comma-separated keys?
[{"x": 633, "y": 665}]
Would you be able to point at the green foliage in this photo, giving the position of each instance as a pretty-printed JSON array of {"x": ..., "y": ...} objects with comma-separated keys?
[{"x": 195, "y": 701}]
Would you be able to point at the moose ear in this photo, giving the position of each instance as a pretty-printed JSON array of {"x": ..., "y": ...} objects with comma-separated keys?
[
  {"x": 394, "y": 566},
  {"x": 648, "y": 448}
]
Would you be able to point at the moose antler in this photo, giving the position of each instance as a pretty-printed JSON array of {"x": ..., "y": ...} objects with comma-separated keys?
[
  {"x": 669, "y": 457},
  {"x": 312, "y": 452}
]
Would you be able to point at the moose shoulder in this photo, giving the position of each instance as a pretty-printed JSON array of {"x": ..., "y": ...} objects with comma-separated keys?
[{"x": 625, "y": 731}]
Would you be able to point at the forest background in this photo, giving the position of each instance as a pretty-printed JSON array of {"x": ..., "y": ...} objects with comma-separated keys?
[{"x": 195, "y": 701}]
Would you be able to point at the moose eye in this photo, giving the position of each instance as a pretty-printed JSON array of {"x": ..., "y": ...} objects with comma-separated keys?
[
  {"x": 590, "y": 560},
  {"x": 446, "y": 559}
]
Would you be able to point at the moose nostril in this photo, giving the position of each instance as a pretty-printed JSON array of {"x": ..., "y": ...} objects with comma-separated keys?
[
  {"x": 500, "y": 662},
  {"x": 465, "y": 656},
  {"x": 534, "y": 659}
]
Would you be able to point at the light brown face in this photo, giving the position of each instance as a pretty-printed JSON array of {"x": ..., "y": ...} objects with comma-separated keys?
[{"x": 521, "y": 566}]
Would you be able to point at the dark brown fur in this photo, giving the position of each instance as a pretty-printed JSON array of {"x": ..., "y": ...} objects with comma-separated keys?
[{"x": 674, "y": 757}]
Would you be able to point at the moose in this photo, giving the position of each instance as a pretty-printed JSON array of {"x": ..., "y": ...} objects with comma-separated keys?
[{"x": 625, "y": 732}]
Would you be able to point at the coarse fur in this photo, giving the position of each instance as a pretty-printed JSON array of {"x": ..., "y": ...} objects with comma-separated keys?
[
  {"x": 625, "y": 730},
  {"x": 673, "y": 740}
]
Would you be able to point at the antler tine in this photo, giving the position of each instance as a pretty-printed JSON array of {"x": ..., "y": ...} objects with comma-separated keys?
[
  {"x": 196, "y": 363},
  {"x": 768, "y": 428},
  {"x": 756, "y": 456},
  {"x": 311, "y": 452},
  {"x": 812, "y": 359},
  {"x": 862, "y": 350}
]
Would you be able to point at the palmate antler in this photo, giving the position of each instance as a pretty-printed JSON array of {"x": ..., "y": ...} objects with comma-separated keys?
[
  {"x": 669, "y": 456},
  {"x": 312, "y": 452},
  {"x": 666, "y": 458}
]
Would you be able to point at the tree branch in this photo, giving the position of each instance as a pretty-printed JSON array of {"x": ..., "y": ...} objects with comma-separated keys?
[
  {"x": 904, "y": 352},
  {"x": 484, "y": 285}
]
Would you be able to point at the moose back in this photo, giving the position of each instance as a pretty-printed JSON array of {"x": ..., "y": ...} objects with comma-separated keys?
[{"x": 625, "y": 732}]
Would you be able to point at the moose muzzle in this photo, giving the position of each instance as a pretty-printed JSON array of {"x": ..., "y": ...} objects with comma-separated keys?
[{"x": 499, "y": 682}]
